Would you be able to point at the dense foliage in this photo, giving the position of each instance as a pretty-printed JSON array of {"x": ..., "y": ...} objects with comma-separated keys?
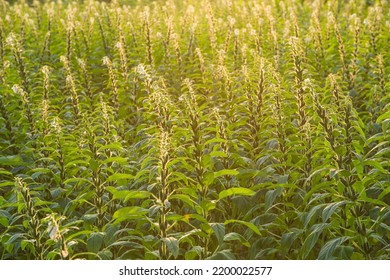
[{"x": 193, "y": 129}]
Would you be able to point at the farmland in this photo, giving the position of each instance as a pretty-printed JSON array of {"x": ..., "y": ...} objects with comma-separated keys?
[{"x": 192, "y": 129}]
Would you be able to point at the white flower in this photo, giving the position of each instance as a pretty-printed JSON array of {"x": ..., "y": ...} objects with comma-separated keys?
[
  {"x": 106, "y": 60},
  {"x": 16, "y": 88},
  {"x": 141, "y": 70}
]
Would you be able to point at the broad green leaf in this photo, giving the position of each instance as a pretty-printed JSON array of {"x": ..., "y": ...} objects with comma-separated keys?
[
  {"x": 207, "y": 205},
  {"x": 172, "y": 245},
  {"x": 312, "y": 238},
  {"x": 80, "y": 233},
  {"x": 7, "y": 184},
  {"x": 112, "y": 146},
  {"x": 119, "y": 176},
  {"x": 382, "y": 117},
  {"x": 77, "y": 180},
  {"x": 77, "y": 162},
  {"x": 110, "y": 234},
  {"x": 288, "y": 239},
  {"x": 226, "y": 172},
  {"x": 194, "y": 252},
  {"x": 118, "y": 194},
  {"x": 218, "y": 154},
  {"x": 175, "y": 217},
  {"x": 178, "y": 177},
  {"x": 119, "y": 160},
  {"x": 198, "y": 218},
  {"x": 222, "y": 255},
  {"x": 344, "y": 252},
  {"x": 95, "y": 242},
  {"x": 129, "y": 213},
  {"x": 380, "y": 239},
  {"x": 330, "y": 209},
  {"x": 93, "y": 164},
  {"x": 249, "y": 225},
  {"x": 314, "y": 211},
  {"x": 136, "y": 195},
  {"x": 5, "y": 172},
  {"x": 184, "y": 198},
  {"x": 208, "y": 178},
  {"x": 270, "y": 197},
  {"x": 4, "y": 221},
  {"x": 215, "y": 140},
  {"x": 219, "y": 230},
  {"x": 105, "y": 254},
  {"x": 236, "y": 191},
  {"x": 236, "y": 236},
  {"x": 11, "y": 161},
  {"x": 15, "y": 237},
  {"x": 329, "y": 248},
  {"x": 27, "y": 243}
]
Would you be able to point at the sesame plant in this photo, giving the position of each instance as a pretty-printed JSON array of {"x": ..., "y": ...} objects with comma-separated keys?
[{"x": 193, "y": 130}]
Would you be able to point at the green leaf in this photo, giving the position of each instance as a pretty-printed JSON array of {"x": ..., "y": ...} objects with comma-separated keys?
[
  {"x": 307, "y": 217},
  {"x": 78, "y": 233},
  {"x": 4, "y": 221},
  {"x": 77, "y": 180},
  {"x": 236, "y": 236},
  {"x": 311, "y": 240},
  {"x": 95, "y": 241},
  {"x": 215, "y": 140},
  {"x": 219, "y": 230},
  {"x": 236, "y": 191},
  {"x": 119, "y": 160},
  {"x": 110, "y": 234},
  {"x": 329, "y": 248},
  {"x": 78, "y": 162},
  {"x": 344, "y": 252},
  {"x": 222, "y": 255},
  {"x": 5, "y": 172},
  {"x": 137, "y": 195},
  {"x": 208, "y": 178},
  {"x": 11, "y": 161},
  {"x": 218, "y": 154},
  {"x": 193, "y": 253},
  {"x": 288, "y": 239},
  {"x": 117, "y": 194},
  {"x": 382, "y": 117},
  {"x": 7, "y": 184},
  {"x": 226, "y": 172},
  {"x": 270, "y": 197},
  {"x": 119, "y": 176},
  {"x": 184, "y": 198},
  {"x": 93, "y": 164},
  {"x": 105, "y": 254},
  {"x": 27, "y": 243},
  {"x": 14, "y": 237},
  {"x": 172, "y": 245},
  {"x": 198, "y": 218},
  {"x": 380, "y": 239},
  {"x": 330, "y": 209},
  {"x": 129, "y": 213},
  {"x": 249, "y": 225},
  {"x": 112, "y": 146},
  {"x": 207, "y": 205}
]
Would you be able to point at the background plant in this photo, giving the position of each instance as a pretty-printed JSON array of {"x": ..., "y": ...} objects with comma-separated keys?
[{"x": 194, "y": 129}]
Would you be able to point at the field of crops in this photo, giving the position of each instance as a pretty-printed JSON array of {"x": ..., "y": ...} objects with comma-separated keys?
[{"x": 190, "y": 129}]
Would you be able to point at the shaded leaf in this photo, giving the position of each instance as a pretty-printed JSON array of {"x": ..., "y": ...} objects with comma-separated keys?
[
  {"x": 219, "y": 230},
  {"x": 329, "y": 248},
  {"x": 172, "y": 245}
]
